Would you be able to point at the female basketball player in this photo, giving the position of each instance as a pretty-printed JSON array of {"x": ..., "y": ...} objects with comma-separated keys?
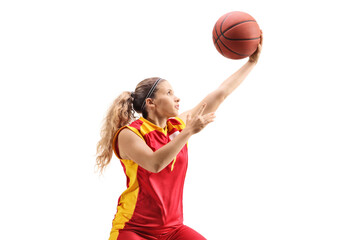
[{"x": 153, "y": 153}]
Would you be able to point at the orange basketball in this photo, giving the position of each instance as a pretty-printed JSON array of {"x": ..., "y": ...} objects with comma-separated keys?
[{"x": 236, "y": 35}]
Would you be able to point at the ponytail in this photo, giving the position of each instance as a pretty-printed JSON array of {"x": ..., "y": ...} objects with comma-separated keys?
[{"x": 119, "y": 114}]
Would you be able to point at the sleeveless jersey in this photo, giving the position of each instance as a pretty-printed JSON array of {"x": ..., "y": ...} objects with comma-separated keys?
[{"x": 152, "y": 200}]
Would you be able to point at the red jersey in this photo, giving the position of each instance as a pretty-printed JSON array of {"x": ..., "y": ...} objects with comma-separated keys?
[{"x": 152, "y": 200}]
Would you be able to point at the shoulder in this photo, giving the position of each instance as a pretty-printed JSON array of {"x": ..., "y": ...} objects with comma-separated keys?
[
  {"x": 176, "y": 122},
  {"x": 127, "y": 134},
  {"x": 128, "y": 138},
  {"x": 134, "y": 127},
  {"x": 130, "y": 131}
]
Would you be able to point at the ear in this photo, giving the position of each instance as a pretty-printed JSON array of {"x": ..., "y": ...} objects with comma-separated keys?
[{"x": 150, "y": 102}]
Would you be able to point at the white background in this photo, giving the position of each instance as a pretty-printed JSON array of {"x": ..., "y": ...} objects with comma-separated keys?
[{"x": 281, "y": 161}]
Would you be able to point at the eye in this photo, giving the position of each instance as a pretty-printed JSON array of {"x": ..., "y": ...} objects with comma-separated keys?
[{"x": 169, "y": 92}]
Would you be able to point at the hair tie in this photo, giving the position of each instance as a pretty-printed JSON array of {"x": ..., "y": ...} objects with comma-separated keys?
[
  {"x": 152, "y": 89},
  {"x": 132, "y": 94}
]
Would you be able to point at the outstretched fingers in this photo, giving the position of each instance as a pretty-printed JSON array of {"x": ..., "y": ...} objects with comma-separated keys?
[
  {"x": 196, "y": 122},
  {"x": 208, "y": 118}
]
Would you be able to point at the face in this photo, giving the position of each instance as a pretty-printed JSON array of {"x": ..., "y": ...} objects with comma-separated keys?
[{"x": 166, "y": 104}]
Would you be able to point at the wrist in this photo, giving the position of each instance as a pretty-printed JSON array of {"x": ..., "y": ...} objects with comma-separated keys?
[
  {"x": 187, "y": 132},
  {"x": 252, "y": 61}
]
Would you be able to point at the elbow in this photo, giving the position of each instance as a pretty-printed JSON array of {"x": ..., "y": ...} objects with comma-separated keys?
[
  {"x": 157, "y": 163},
  {"x": 150, "y": 164},
  {"x": 221, "y": 94},
  {"x": 157, "y": 168},
  {"x": 152, "y": 169}
]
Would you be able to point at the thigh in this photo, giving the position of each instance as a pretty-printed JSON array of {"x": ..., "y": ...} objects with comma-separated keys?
[
  {"x": 130, "y": 235},
  {"x": 185, "y": 233}
]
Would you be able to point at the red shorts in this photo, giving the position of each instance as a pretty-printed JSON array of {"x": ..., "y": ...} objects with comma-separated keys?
[{"x": 181, "y": 233}]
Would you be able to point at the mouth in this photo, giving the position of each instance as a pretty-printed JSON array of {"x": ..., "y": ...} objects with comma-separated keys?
[{"x": 177, "y": 107}]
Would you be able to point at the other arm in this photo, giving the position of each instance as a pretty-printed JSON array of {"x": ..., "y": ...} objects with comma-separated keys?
[{"x": 134, "y": 148}]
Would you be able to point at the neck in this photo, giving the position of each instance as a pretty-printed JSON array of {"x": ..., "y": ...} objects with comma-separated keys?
[{"x": 158, "y": 121}]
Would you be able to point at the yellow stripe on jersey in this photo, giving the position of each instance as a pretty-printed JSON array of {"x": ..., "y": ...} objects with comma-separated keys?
[
  {"x": 149, "y": 127},
  {"x": 135, "y": 131},
  {"x": 172, "y": 166},
  {"x": 128, "y": 199}
]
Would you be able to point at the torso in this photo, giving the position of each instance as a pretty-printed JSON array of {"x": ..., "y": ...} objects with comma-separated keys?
[{"x": 152, "y": 200}]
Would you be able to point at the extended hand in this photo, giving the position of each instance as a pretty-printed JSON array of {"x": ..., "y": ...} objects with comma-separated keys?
[
  {"x": 255, "y": 56},
  {"x": 198, "y": 121}
]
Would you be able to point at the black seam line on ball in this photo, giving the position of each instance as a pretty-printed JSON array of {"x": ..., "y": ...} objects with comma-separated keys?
[
  {"x": 221, "y": 33},
  {"x": 239, "y": 39},
  {"x": 232, "y": 50},
  {"x": 218, "y": 43}
]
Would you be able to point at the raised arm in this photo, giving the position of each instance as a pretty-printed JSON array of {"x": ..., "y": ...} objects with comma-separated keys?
[{"x": 215, "y": 98}]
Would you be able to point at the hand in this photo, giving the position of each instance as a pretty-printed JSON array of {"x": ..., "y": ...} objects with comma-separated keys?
[
  {"x": 255, "y": 56},
  {"x": 198, "y": 121}
]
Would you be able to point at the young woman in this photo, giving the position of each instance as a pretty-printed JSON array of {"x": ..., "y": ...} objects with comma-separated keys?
[{"x": 153, "y": 153}]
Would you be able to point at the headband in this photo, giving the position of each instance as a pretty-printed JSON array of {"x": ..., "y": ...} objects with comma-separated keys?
[{"x": 151, "y": 91}]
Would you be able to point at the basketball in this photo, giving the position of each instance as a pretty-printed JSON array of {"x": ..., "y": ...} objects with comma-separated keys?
[{"x": 236, "y": 35}]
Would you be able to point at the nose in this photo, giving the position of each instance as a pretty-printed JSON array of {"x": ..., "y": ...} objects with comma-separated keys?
[{"x": 177, "y": 99}]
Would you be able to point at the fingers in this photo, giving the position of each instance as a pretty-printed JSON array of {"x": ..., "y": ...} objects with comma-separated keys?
[
  {"x": 208, "y": 118},
  {"x": 255, "y": 56},
  {"x": 198, "y": 122},
  {"x": 258, "y": 50},
  {"x": 261, "y": 37},
  {"x": 201, "y": 110},
  {"x": 205, "y": 120},
  {"x": 188, "y": 117}
]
